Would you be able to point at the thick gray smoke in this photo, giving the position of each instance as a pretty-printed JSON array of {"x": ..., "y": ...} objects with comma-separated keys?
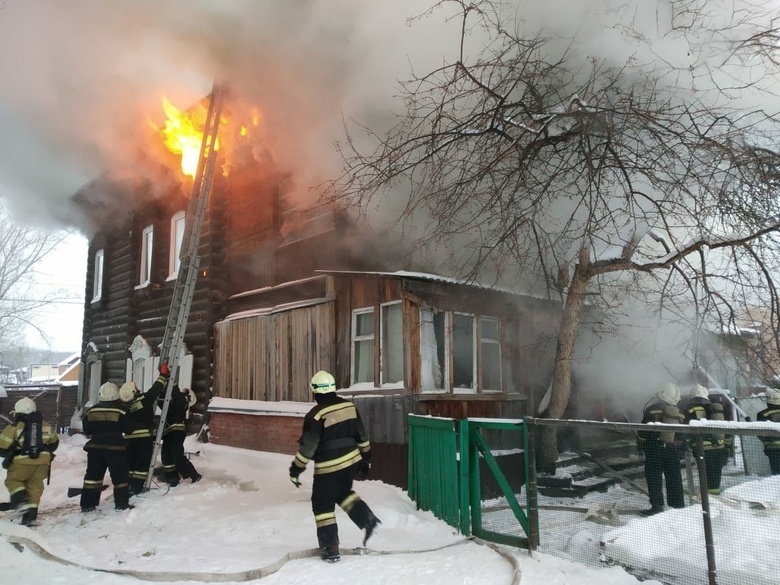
[{"x": 82, "y": 79}]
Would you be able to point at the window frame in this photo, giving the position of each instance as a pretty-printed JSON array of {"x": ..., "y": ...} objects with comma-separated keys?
[
  {"x": 478, "y": 359},
  {"x": 147, "y": 249},
  {"x": 382, "y": 353},
  {"x": 98, "y": 271},
  {"x": 362, "y": 338},
  {"x": 175, "y": 243}
]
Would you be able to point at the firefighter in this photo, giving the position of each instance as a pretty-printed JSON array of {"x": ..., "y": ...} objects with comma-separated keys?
[
  {"x": 176, "y": 465},
  {"x": 106, "y": 424},
  {"x": 771, "y": 443},
  {"x": 140, "y": 442},
  {"x": 27, "y": 447},
  {"x": 662, "y": 451},
  {"x": 335, "y": 438},
  {"x": 716, "y": 454}
]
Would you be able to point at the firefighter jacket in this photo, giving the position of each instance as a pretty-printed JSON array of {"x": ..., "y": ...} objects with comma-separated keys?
[
  {"x": 702, "y": 409},
  {"x": 333, "y": 436},
  {"x": 771, "y": 414},
  {"x": 659, "y": 412},
  {"x": 140, "y": 411},
  {"x": 106, "y": 424},
  {"x": 177, "y": 411},
  {"x": 20, "y": 446}
]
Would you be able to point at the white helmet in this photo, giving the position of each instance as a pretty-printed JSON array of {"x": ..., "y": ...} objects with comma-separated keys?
[
  {"x": 773, "y": 396},
  {"x": 24, "y": 406},
  {"x": 322, "y": 382},
  {"x": 108, "y": 392},
  {"x": 127, "y": 392},
  {"x": 699, "y": 391},
  {"x": 669, "y": 393}
]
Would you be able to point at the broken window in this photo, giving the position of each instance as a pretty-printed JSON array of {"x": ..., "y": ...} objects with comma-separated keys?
[{"x": 458, "y": 343}]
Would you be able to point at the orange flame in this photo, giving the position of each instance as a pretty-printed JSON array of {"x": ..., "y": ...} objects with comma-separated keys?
[{"x": 182, "y": 134}]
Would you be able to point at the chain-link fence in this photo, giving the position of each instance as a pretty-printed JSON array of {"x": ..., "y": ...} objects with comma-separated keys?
[{"x": 718, "y": 519}]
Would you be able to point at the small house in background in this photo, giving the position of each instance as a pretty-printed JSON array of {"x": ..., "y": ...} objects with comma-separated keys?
[{"x": 286, "y": 287}]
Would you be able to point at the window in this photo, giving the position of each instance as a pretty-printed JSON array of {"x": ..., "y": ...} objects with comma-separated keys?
[
  {"x": 147, "y": 239},
  {"x": 97, "y": 279},
  {"x": 363, "y": 346},
  {"x": 392, "y": 349},
  {"x": 463, "y": 361},
  {"x": 177, "y": 237},
  {"x": 433, "y": 349},
  {"x": 454, "y": 347},
  {"x": 490, "y": 354}
]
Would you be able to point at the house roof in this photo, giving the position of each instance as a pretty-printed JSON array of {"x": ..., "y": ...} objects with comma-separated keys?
[{"x": 426, "y": 276}]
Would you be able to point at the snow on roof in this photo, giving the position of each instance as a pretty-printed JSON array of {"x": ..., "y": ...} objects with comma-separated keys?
[
  {"x": 427, "y": 276},
  {"x": 248, "y": 293},
  {"x": 277, "y": 308}
]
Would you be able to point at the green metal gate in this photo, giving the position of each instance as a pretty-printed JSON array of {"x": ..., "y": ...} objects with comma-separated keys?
[{"x": 447, "y": 458}]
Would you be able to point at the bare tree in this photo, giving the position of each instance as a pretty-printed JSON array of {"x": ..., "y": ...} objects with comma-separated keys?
[
  {"x": 586, "y": 177},
  {"x": 22, "y": 248}
]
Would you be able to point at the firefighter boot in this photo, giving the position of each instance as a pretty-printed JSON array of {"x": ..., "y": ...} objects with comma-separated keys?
[{"x": 331, "y": 554}]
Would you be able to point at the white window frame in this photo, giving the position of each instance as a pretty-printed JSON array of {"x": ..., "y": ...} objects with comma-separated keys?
[
  {"x": 361, "y": 338},
  {"x": 147, "y": 247},
  {"x": 382, "y": 353},
  {"x": 178, "y": 223},
  {"x": 485, "y": 341},
  {"x": 97, "y": 277}
]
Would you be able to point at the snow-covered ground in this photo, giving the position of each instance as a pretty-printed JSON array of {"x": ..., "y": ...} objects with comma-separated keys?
[{"x": 245, "y": 522}]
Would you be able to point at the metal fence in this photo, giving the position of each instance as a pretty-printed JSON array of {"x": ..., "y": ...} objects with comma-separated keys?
[{"x": 725, "y": 530}]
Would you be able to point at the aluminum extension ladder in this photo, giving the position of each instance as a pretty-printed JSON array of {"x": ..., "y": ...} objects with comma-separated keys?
[{"x": 179, "y": 312}]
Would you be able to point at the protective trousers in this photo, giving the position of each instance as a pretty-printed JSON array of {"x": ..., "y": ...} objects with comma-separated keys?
[
  {"x": 175, "y": 462},
  {"x": 139, "y": 457},
  {"x": 24, "y": 481},
  {"x": 714, "y": 461},
  {"x": 773, "y": 454},
  {"x": 662, "y": 462},
  {"x": 98, "y": 460},
  {"x": 329, "y": 489}
]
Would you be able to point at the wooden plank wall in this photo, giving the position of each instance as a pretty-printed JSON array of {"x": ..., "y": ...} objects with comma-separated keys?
[{"x": 300, "y": 343}]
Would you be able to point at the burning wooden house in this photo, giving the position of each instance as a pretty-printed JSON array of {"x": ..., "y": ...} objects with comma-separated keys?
[{"x": 287, "y": 287}]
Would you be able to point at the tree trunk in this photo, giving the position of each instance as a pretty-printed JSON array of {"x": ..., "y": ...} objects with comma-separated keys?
[{"x": 564, "y": 354}]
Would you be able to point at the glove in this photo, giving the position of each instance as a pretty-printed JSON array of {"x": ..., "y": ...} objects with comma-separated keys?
[
  {"x": 295, "y": 471},
  {"x": 364, "y": 469},
  {"x": 165, "y": 370}
]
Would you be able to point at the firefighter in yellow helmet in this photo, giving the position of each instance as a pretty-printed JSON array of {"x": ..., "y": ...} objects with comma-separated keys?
[
  {"x": 27, "y": 447},
  {"x": 700, "y": 407},
  {"x": 335, "y": 438},
  {"x": 663, "y": 451},
  {"x": 106, "y": 424},
  {"x": 140, "y": 442}
]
